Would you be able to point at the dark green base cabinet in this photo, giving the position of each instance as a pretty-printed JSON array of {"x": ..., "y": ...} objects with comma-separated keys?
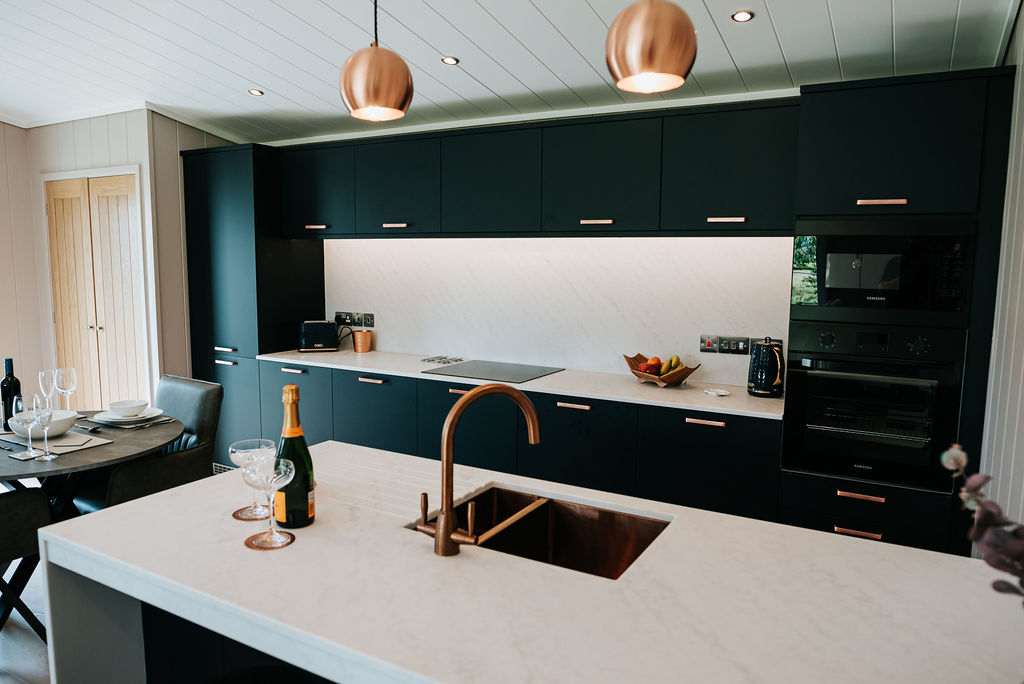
[
  {"x": 240, "y": 410},
  {"x": 862, "y": 509},
  {"x": 316, "y": 405},
  {"x": 583, "y": 442},
  {"x": 375, "y": 410},
  {"x": 485, "y": 436},
  {"x": 713, "y": 461}
]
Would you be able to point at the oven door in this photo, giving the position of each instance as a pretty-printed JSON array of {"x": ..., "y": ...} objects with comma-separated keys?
[{"x": 871, "y": 420}]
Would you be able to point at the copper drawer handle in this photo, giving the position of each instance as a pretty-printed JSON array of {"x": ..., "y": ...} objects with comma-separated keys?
[
  {"x": 701, "y": 421},
  {"x": 394, "y": 225},
  {"x": 372, "y": 381},
  {"x": 578, "y": 407},
  {"x": 727, "y": 219},
  {"x": 452, "y": 390},
  {"x": 225, "y": 349},
  {"x": 319, "y": 226},
  {"x": 297, "y": 371},
  {"x": 861, "y": 497},
  {"x": 876, "y": 202},
  {"x": 221, "y": 362},
  {"x": 596, "y": 222},
  {"x": 877, "y": 536}
]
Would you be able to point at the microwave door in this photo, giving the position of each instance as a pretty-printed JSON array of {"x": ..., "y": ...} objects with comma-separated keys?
[{"x": 843, "y": 271}]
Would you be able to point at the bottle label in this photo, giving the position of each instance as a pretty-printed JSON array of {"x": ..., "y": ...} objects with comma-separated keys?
[
  {"x": 280, "y": 513},
  {"x": 292, "y": 432}
]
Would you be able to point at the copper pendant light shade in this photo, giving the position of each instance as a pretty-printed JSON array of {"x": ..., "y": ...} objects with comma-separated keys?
[
  {"x": 651, "y": 47},
  {"x": 376, "y": 84}
]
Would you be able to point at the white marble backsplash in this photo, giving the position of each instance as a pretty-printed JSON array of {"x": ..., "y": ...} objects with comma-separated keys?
[{"x": 579, "y": 303}]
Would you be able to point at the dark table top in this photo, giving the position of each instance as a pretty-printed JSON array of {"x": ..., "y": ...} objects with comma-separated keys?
[{"x": 126, "y": 445}]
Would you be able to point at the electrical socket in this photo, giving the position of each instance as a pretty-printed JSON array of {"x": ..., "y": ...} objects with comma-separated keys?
[
  {"x": 357, "y": 319},
  {"x": 368, "y": 320},
  {"x": 344, "y": 318},
  {"x": 709, "y": 343},
  {"x": 734, "y": 345}
]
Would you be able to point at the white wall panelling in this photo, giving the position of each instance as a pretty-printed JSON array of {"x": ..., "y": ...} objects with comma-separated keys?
[{"x": 571, "y": 302}]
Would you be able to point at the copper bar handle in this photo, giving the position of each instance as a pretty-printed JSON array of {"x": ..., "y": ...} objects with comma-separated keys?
[
  {"x": 452, "y": 390},
  {"x": 423, "y": 508},
  {"x": 727, "y": 219},
  {"x": 877, "y": 536},
  {"x": 578, "y": 407},
  {"x": 297, "y": 371},
  {"x": 394, "y": 225},
  {"x": 471, "y": 525},
  {"x": 373, "y": 381},
  {"x": 221, "y": 362},
  {"x": 596, "y": 222},
  {"x": 701, "y": 421},
  {"x": 225, "y": 349},
  {"x": 877, "y": 202},
  {"x": 319, "y": 226},
  {"x": 861, "y": 497}
]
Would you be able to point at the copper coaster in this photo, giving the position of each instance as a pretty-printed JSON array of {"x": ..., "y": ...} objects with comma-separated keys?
[
  {"x": 238, "y": 513},
  {"x": 251, "y": 545}
]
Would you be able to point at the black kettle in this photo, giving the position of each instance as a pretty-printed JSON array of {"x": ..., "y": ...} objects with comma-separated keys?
[{"x": 767, "y": 369}]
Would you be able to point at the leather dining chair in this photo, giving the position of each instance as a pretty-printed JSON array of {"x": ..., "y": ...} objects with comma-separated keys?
[
  {"x": 197, "y": 405},
  {"x": 22, "y": 513}
]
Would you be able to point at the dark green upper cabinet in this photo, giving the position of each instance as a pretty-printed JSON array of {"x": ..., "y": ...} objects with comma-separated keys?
[
  {"x": 491, "y": 182},
  {"x": 915, "y": 146},
  {"x": 318, "y": 191},
  {"x": 398, "y": 187},
  {"x": 602, "y": 176},
  {"x": 729, "y": 170}
]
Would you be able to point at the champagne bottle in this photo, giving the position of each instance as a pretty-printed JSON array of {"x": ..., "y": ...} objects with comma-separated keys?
[
  {"x": 294, "y": 504},
  {"x": 10, "y": 387}
]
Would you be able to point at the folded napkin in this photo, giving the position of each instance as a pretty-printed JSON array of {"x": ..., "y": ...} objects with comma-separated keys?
[{"x": 65, "y": 444}]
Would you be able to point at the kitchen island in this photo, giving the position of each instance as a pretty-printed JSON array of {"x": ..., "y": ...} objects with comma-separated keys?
[{"x": 359, "y": 597}]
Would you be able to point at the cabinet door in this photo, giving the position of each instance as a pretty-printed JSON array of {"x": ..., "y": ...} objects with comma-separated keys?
[
  {"x": 240, "y": 410},
  {"x": 315, "y": 400},
  {"x": 398, "y": 187},
  {"x": 491, "y": 182},
  {"x": 485, "y": 436},
  {"x": 583, "y": 442},
  {"x": 318, "y": 191},
  {"x": 713, "y": 461},
  {"x": 602, "y": 176},
  {"x": 729, "y": 170},
  {"x": 375, "y": 410},
  {"x": 919, "y": 143},
  {"x": 219, "y": 217}
]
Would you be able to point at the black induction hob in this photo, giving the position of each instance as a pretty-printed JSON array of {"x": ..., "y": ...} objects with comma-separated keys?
[{"x": 494, "y": 370}]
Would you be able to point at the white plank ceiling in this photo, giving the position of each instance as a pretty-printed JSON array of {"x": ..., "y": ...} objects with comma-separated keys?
[{"x": 196, "y": 59}]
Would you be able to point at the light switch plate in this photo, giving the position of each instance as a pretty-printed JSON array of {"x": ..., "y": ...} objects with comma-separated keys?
[
  {"x": 367, "y": 320},
  {"x": 709, "y": 343}
]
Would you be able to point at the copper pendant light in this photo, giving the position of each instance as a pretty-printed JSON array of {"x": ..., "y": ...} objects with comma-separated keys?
[
  {"x": 651, "y": 47},
  {"x": 376, "y": 84}
]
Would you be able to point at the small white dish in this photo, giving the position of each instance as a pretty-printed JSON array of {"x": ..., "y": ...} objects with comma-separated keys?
[
  {"x": 60, "y": 422},
  {"x": 127, "y": 408},
  {"x": 715, "y": 392},
  {"x": 113, "y": 419}
]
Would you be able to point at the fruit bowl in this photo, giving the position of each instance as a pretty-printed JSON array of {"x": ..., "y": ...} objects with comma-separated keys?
[{"x": 671, "y": 379}]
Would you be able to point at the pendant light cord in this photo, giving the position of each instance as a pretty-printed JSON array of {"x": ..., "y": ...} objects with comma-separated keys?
[{"x": 375, "y": 22}]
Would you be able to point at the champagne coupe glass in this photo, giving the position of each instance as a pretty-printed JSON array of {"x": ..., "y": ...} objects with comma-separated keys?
[
  {"x": 47, "y": 386},
  {"x": 67, "y": 382},
  {"x": 43, "y": 416},
  {"x": 25, "y": 417},
  {"x": 241, "y": 454},
  {"x": 268, "y": 474}
]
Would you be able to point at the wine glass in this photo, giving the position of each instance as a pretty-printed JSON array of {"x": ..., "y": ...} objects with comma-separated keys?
[
  {"x": 47, "y": 386},
  {"x": 66, "y": 381},
  {"x": 43, "y": 416},
  {"x": 26, "y": 418},
  {"x": 241, "y": 454},
  {"x": 268, "y": 474}
]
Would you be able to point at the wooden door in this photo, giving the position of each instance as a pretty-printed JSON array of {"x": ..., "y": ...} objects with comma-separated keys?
[
  {"x": 71, "y": 273},
  {"x": 120, "y": 288}
]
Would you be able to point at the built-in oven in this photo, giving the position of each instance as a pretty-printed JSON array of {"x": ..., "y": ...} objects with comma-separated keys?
[
  {"x": 883, "y": 272},
  {"x": 871, "y": 402}
]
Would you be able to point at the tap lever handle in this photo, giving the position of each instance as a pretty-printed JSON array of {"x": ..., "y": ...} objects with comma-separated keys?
[
  {"x": 423, "y": 507},
  {"x": 472, "y": 518}
]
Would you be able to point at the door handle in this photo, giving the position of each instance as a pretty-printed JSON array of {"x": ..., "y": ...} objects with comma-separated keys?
[
  {"x": 596, "y": 222},
  {"x": 99, "y": 327},
  {"x": 222, "y": 362},
  {"x": 297, "y": 371},
  {"x": 372, "y": 381},
  {"x": 452, "y": 390},
  {"x": 877, "y": 202},
  {"x": 727, "y": 219},
  {"x": 860, "y": 497},
  {"x": 701, "y": 421},
  {"x": 92, "y": 327},
  {"x": 394, "y": 225},
  {"x": 225, "y": 349},
  {"x": 318, "y": 226},
  {"x": 877, "y": 536},
  {"x": 578, "y": 407}
]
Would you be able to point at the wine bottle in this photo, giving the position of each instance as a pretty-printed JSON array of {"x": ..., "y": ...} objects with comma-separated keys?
[
  {"x": 10, "y": 387},
  {"x": 294, "y": 504}
]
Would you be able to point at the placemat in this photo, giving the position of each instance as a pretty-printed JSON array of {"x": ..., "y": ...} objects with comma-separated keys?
[{"x": 65, "y": 444}]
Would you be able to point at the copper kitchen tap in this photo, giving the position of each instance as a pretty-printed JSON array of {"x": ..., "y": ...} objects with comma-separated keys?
[{"x": 446, "y": 536}]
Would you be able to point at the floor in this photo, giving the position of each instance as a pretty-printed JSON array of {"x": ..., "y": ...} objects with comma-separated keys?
[{"x": 22, "y": 653}]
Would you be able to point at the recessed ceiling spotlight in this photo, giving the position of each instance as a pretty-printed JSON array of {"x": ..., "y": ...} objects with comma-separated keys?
[
  {"x": 742, "y": 16},
  {"x": 449, "y": 60},
  {"x": 255, "y": 92}
]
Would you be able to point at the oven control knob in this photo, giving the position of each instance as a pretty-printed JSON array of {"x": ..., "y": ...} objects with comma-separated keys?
[
  {"x": 918, "y": 346},
  {"x": 827, "y": 339}
]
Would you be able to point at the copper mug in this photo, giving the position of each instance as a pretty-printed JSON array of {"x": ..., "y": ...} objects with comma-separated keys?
[{"x": 361, "y": 340}]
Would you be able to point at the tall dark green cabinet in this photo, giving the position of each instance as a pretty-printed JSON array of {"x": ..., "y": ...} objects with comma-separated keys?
[{"x": 249, "y": 289}]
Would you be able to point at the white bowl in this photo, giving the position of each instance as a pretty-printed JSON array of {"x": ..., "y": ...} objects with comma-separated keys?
[
  {"x": 60, "y": 422},
  {"x": 128, "y": 408}
]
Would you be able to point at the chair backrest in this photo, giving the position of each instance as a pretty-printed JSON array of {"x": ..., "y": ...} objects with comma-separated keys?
[
  {"x": 22, "y": 513},
  {"x": 195, "y": 403}
]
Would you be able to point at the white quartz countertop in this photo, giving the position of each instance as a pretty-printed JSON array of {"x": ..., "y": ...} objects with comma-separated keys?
[
  {"x": 584, "y": 384},
  {"x": 716, "y": 598}
]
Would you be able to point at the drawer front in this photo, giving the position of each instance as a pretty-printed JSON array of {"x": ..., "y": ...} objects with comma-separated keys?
[
  {"x": 375, "y": 410},
  {"x": 315, "y": 400},
  {"x": 871, "y": 511},
  {"x": 486, "y": 432},
  {"x": 240, "y": 409}
]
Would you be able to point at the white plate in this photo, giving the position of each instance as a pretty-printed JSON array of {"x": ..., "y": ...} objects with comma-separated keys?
[
  {"x": 113, "y": 419},
  {"x": 715, "y": 392}
]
